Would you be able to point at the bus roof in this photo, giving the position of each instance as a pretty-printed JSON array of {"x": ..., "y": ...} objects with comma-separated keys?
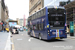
[
  {"x": 56, "y": 7},
  {"x": 37, "y": 11},
  {"x": 48, "y": 8}
]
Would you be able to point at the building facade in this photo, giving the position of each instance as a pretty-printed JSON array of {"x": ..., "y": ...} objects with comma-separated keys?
[
  {"x": 21, "y": 22},
  {"x": 70, "y": 12},
  {"x": 2, "y": 15},
  {"x": 6, "y": 17},
  {"x": 35, "y": 5}
]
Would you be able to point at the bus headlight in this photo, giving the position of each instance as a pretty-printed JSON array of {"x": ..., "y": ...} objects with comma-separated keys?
[{"x": 48, "y": 33}]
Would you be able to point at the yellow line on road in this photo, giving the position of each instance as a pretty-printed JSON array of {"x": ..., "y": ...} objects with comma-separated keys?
[{"x": 12, "y": 44}]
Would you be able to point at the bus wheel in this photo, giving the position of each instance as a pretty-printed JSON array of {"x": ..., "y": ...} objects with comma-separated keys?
[
  {"x": 40, "y": 36},
  {"x": 30, "y": 35}
]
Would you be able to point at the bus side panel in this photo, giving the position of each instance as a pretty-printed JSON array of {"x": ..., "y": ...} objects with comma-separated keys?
[{"x": 42, "y": 32}]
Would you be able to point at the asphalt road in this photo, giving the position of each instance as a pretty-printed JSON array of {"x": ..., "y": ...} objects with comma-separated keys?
[{"x": 22, "y": 41}]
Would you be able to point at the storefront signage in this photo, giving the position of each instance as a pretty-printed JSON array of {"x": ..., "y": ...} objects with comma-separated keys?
[{"x": 71, "y": 27}]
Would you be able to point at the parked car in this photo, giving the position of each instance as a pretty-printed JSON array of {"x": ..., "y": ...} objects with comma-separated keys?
[
  {"x": 7, "y": 29},
  {"x": 15, "y": 31},
  {"x": 21, "y": 29}
]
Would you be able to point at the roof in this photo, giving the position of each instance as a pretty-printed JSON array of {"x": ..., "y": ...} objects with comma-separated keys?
[
  {"x": 56, "y": 7},
  {"x": 49, "y": 7}
]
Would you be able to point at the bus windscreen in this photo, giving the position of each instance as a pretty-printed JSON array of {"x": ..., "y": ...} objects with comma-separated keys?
[{"x": 56, "y": 18}]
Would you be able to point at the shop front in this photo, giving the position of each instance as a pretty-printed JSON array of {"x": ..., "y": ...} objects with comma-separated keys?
[{"x": 70, "y": 12}]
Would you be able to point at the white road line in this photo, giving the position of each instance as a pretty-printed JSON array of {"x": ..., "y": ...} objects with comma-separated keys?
[
  {"x": 19, "y": 39},
  {"x": 30, "y": 39}
]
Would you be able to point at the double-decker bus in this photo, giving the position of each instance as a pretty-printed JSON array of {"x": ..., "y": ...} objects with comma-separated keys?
[{"x": 48, "y": 23}]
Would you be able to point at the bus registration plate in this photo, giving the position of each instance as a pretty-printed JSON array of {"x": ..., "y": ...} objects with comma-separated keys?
[{"x": 57, "y": 38}]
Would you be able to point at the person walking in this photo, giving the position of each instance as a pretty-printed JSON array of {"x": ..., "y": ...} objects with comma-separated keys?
[{"x": 4, "y": 29}]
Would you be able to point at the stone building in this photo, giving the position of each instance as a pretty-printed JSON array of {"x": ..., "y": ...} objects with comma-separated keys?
[
  {"x": 35, "y": 5},
  {"x": 2, "y": 14},
  {"x": 70, "y": 13},
  {"x": 21, "y": 22},
  {"x": 6, "y": 17}
]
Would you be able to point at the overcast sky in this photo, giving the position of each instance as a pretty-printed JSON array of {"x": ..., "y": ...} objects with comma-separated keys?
[{"x": 18, "y": 8}]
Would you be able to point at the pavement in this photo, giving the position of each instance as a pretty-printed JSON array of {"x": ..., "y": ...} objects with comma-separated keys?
[
  {"x": 72, "y": 37},
  {"x": 5, "y": 43}
]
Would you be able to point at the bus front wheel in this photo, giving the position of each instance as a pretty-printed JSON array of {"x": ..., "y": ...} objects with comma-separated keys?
[
  {"x": 40, "y": 36},
  {"x": 30, "y": 35}
]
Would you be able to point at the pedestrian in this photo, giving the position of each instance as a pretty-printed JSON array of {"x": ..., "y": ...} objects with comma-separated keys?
[{"x": 4, "y": 30}]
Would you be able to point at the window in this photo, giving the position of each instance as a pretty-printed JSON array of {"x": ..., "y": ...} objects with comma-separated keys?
[
  {"x": 37, "y": 26},
  {"x": 34, "y": 27},
  {"x": 42, "y": 26},
  {"x": 35, "y": 15},
  {"x": 32, "y": 17},
  {"x": 44, "y": 11},
  {"x": 41, "y": 12},
  {"x": 31, "y": 27},
  {"x": 28, "y": 19},
  {"x": 31, "y": 1}
]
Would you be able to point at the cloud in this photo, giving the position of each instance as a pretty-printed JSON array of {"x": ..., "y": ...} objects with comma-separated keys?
[{"x": 18, "y": 8}]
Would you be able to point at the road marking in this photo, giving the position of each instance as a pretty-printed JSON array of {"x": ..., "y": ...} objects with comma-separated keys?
[
  {"x": 19, "y": 39},
  {"x": 12, "y": 44},
  {"x": 30, "y": 39}
]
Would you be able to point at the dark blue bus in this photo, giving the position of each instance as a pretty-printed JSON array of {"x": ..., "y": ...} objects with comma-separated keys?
[{"x": 48, "y": 23}]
